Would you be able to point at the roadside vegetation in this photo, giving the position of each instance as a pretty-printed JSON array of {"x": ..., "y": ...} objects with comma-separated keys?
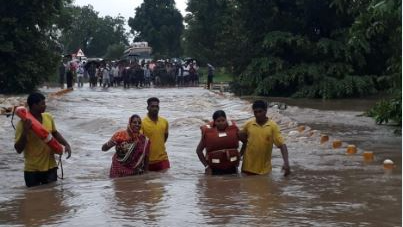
[{"x": 311, "y": 49}]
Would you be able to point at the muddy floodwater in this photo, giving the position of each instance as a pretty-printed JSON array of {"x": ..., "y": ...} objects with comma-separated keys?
[{"x": 326, "y": 187}]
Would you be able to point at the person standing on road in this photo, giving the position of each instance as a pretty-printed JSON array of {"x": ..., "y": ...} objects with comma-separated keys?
[
  {"x": 62, "y": 74},
  {"x": 210, "y": 75}
]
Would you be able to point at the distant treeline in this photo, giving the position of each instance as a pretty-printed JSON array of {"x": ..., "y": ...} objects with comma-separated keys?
[{"x": 303, "y": 48}]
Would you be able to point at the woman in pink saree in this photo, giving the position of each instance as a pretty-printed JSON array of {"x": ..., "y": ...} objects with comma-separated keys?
[{"x": 132, "y": 149}]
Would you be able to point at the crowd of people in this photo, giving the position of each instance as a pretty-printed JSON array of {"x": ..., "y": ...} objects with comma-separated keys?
[
  {"x": 141, "y": 146},
  {"x": 161, "y": 73}
]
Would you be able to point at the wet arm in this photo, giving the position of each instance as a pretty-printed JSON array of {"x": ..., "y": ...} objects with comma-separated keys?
[
  {"x": 61, "y": 140},
  {"x": 22, "y": 141},
  {"x": 284, "y": 153},
  {"x": 242, "y": 152},
  {"x": 108, "y": 145},
  {"x": 20, "y": 144},
  {"x": 243, "y": 138},
  {"x": 166, "y": 136},
  {"x": 146, "y": 161},
  {"x": 199, "y": 151},
  {"x": 147, "y": 156}
]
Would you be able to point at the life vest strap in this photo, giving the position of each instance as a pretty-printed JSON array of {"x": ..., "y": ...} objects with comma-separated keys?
[
  {"x": 223, "y": 159},
  {"x": 231, "y": 158}
]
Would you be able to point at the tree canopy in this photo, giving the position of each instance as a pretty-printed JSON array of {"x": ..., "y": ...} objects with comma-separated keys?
[
  {"x": 161, "y": 25},
  {"x": 303, "y": 48},
  {"x": 91, "y": 33},
  {"x": 204, "y": 33},
  {"x": 34, "y": 35},
  {"x": 29, "y": 49}
]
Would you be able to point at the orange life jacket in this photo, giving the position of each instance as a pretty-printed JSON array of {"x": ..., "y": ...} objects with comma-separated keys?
[
  {"x": 39, "y": 130},
  {"x": 222, "y": 147}
]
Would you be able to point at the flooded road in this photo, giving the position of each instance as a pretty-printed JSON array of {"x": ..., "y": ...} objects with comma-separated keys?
[{"x": 327, "y": 187}]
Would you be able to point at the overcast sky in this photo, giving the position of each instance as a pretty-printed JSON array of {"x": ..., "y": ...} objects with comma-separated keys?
[{"x": 123, "y": 7}]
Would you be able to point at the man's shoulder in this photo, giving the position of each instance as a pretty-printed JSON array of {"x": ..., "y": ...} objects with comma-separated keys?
[
  {"x": 250, "y": 121},
  {"x": 162, "y": 119},
  {"x": 271, "y": 123},
  {"x": 47, "y": 115},
  {"x": 146, "y": 118}
]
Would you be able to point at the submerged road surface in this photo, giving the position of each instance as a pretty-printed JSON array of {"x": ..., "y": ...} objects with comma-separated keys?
[{"x": 327, "y": 187}]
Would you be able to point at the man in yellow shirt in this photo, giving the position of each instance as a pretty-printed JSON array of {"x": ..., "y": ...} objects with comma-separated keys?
[
  {"x": 258, "y": 136},
  {"x": 40, "y": 164},
  {"x": 156, "y": 129}
]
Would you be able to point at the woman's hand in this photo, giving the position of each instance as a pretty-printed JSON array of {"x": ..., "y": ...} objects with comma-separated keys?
[{"x": 208, "y": 170}]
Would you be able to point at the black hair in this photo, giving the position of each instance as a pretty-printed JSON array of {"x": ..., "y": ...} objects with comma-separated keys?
[
  {"x": 134, "y": 116},
  {"x": 152, "y": 99},
  {"x": 219, "y": 113},
  {"x": 259, "y": 104},
  {"x": 35, "y": 98}
]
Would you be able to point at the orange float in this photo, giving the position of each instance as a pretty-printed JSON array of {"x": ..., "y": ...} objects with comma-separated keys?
[
  {"x": 388, "y": 164},
  {"x": 351, "y": 149},
  {"x": 336, "y": 144},
  {"x": 324, "y": 139},
  {"x": 368, "y": 156},
  {"x": 39, "y": 130}
]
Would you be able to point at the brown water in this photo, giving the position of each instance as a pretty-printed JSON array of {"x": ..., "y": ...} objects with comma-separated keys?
[{"x": 327, "y": 187}]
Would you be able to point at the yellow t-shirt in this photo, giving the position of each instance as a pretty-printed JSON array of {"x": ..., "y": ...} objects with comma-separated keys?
[
  {"x": 257, "y": 156},
  {"x": 38, "y": 155},
  {"x": 155, "y": 131}
]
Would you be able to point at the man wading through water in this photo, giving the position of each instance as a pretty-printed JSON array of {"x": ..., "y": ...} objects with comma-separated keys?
[
  {"x": 258, "y": 136},
  {"x": 155, "y": 128},
  {"x": 40, "y": 164}
]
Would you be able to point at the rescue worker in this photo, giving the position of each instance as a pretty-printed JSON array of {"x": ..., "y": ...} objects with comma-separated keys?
[
  {"x": 156, "y": 128},
  {"x": 258, "y": 135},
  {"x": 220, "y": 139}
]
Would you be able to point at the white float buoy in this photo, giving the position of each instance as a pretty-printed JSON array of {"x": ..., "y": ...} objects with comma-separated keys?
[{"x": 388, "y": 164}]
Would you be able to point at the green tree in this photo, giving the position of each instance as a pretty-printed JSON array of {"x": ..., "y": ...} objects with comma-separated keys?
[
  {"x": 114, "y": 51},
  {"x": 91, "y": 33},
  {"x": 29, "y": 50},
  {"x": 376, "y": 36},
  {"x": 299, "y": 50},
  {"x": 161, "y": 25},
  {"x": 205, "y": 22}
]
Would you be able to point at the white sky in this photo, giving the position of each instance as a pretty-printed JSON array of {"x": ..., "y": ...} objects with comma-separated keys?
[{"x": 123, "y": 7}]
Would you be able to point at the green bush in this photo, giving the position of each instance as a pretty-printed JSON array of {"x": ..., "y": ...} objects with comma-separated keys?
[{"x": 388, "y": 110}]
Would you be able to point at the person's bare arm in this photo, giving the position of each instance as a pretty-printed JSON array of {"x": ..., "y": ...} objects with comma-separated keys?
[
  {"x": 243, "y": 138},
  {"x": 22, "y": 141},
  {"x": 61, "y": 140},
  {"x": 166, "y": 136},
  {"x": 199, "y": 151},
  {"x": 286, "y": 165},
  {"x": 108, "y": 145}
]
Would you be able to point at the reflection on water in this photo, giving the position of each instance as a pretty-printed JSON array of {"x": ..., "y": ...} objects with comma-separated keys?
[
  {"x": 235, "y": 200},
  {"x": 136, "y": 199},
  {"x": 35, "y": 207},
  {"x": 327, "y": 188}
]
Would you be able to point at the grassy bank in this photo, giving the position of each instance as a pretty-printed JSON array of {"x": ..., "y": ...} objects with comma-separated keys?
[{"x": 221, "y": 75}]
